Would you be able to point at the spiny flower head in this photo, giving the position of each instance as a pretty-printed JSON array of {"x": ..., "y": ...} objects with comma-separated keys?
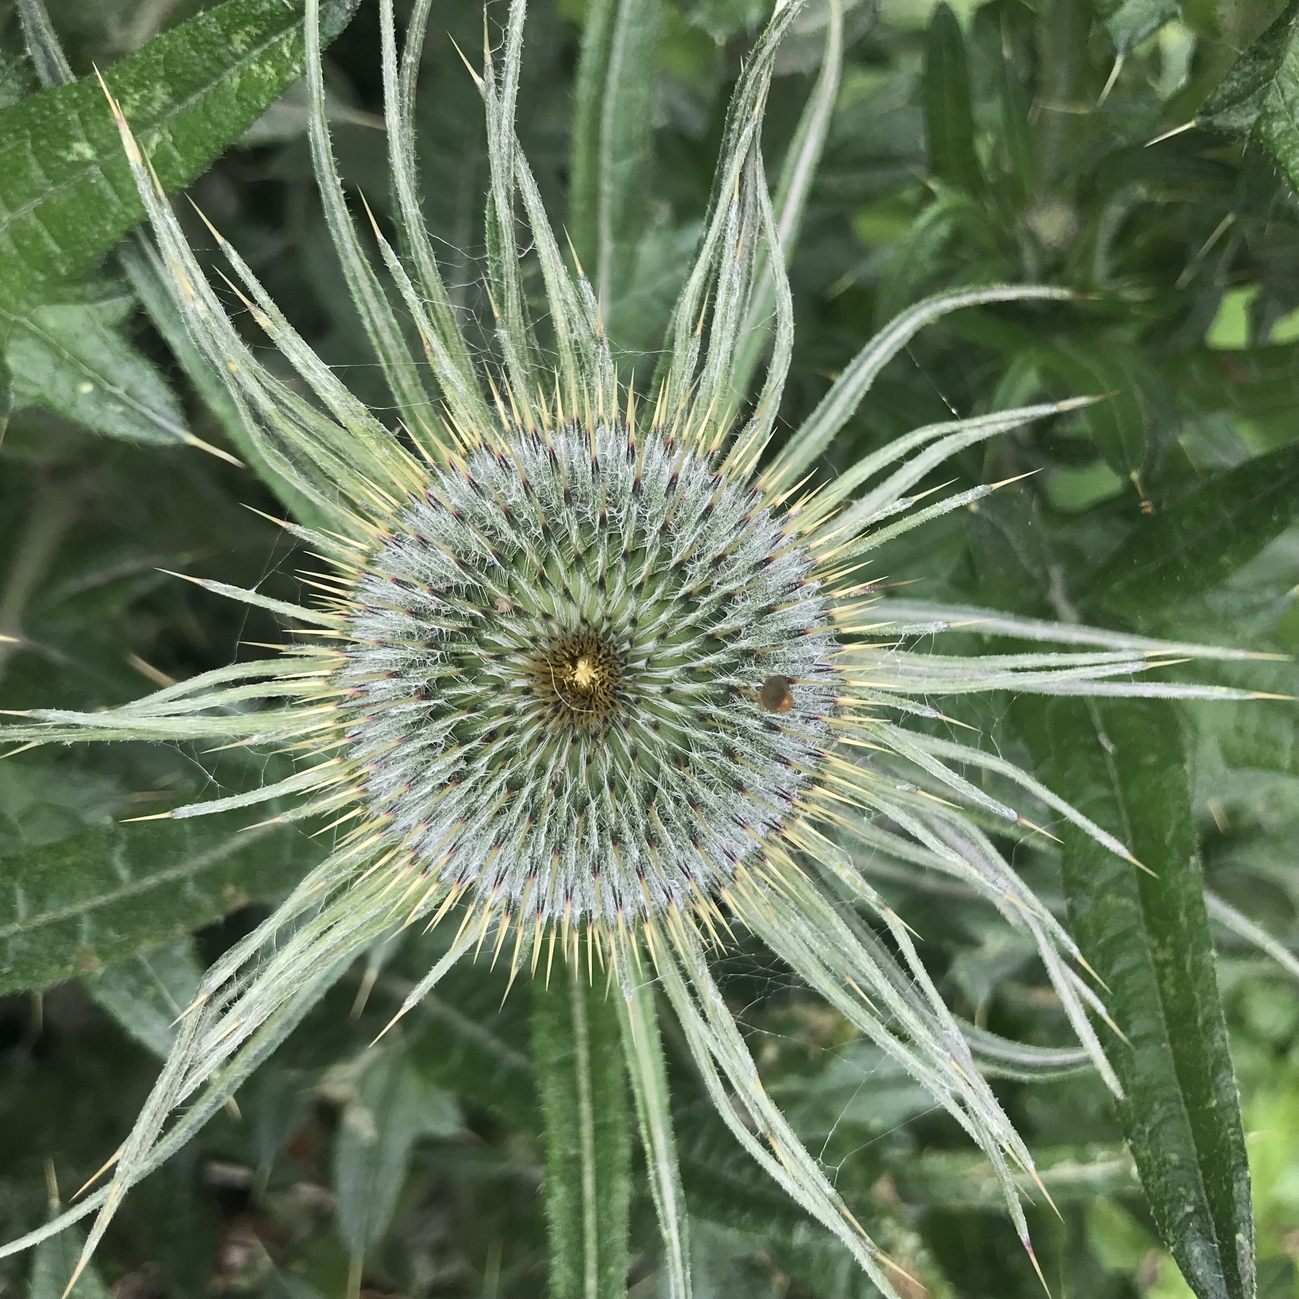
[
  {"x": 554, "y": 681},
  {"x": 580, "y": 671}
]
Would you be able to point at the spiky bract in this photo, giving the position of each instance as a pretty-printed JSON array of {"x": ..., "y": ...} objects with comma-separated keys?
[{"x": 553, "y": 682}]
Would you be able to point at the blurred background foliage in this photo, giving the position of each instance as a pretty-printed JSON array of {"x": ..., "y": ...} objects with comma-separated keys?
[{"x": 1007, "y": 140}]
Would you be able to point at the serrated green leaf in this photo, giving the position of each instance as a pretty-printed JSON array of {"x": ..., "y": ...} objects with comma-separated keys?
[
  {"x": 1193, "y": 545},
  {"x": 1257, "y": 96},
  {"x": 1253, "y": 80},
  {"x": 66, "y": 194},
  {"x": 578, "y": 1054},
  {"x": 73, "y": 358},
  {"x": 95, "y": 898},
  {"x": 390, "y": 1107},
  {"x": 754, "y": 1220},
  {"x": 949, "y": 119},
  {"x": 147, "y": 993},
  {"x": 1147, "y": 937}
]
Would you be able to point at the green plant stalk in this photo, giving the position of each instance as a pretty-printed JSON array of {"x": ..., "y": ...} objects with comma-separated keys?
[{"x": 578, "y": 1054}]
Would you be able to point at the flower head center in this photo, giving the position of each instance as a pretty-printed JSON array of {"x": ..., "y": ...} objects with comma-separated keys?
[{"x": 581, "y": 673}]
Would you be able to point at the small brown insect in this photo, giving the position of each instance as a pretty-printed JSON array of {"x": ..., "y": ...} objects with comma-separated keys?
[
  {"x": 774, "y": 695},
  {"x": 503, "y": 605}
]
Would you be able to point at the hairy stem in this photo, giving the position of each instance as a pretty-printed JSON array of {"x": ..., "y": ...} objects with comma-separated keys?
[{"x": 577, "y": 1050}]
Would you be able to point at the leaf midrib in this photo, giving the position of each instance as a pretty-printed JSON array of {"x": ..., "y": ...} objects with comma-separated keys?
[
  {"x": 148, "y": 137},
  {"x": 189, "y": 868},
  {"x": 116, "y": 390},
  {"x": 1166, "y": 1025}
]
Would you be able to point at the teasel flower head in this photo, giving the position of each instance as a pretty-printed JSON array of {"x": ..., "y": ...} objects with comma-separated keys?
[{"x": 595, "y": 676}]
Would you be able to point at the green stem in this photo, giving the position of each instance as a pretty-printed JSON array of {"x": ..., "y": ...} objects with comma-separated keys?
[
  {"x": 643, "y": 1048},
  {"x": 577, "y": 1050}
]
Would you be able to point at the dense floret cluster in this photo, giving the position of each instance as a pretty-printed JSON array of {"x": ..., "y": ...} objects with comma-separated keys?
[{"x": 559, "y": 657}]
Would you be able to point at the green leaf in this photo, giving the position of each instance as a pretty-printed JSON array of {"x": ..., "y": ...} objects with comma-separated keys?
[
  {"x": 72, "y": 358},
  {"x": 1200, "y": 541},
  {"x": 1257, "y": 382},
  {"x": 1129, "y": 22},
  {"x": 476, "y": 1042},
  {"x": 612, "y": 122},
  {"x": 52, "y": 1267},
  {"x": 42, "y": 802},
  {"x": 147, "y": 993},
  {"x": 757, "y": 1221},
  {"x": 1257, "y": 96},
  {"x": 1147, "y": 937},
  {"x": 578, "y": 1054},
  {"x": 66, "y": 194},
  {"x": 949, "y": 120},
  {"x": 178, "y": 1229},
  {"x": 94, "y": 898},
  {"x": 388, "y": 1109},
  {"x": 1117, "y": 425},
  {"x": 1015, "y": 108},
  {"x": 1265, "y": 738}
]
